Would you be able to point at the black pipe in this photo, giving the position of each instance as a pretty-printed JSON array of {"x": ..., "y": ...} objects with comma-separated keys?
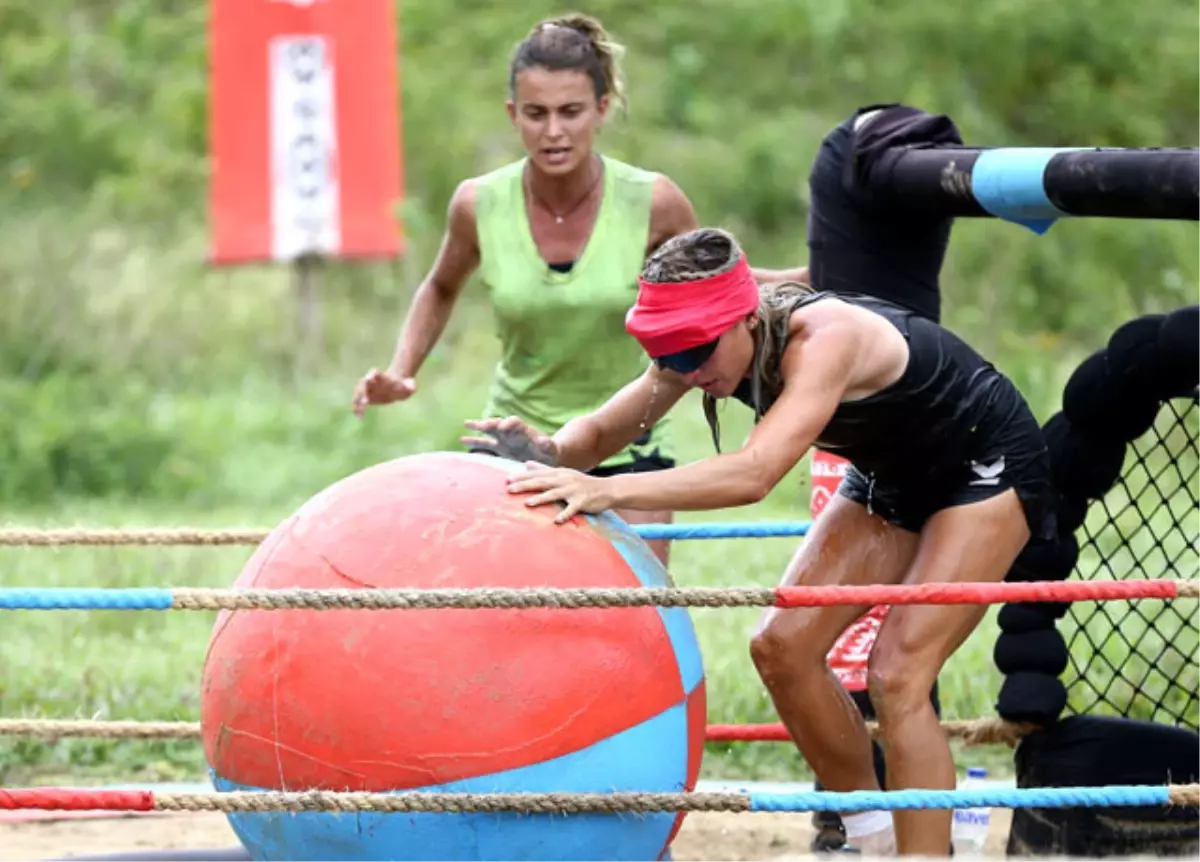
[{"x": 1048, "y": 182}]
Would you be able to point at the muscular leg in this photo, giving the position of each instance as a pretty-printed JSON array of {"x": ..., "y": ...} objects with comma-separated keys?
[
  {"x": 976, "y": 542},
  {"x": 831, "y": 832},
  {"x": 845, "y": 546},
  {"x": 661, "y": 547},
  {"x": 826, "y": 473}
]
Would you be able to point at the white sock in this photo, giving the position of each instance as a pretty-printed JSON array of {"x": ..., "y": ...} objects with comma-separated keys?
[
  {"x": 866, "y": 822},
  {"x": 871, "y": 832}
]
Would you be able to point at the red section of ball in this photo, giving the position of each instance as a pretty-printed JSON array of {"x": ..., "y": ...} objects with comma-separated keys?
[{"x": 393, "y": 699}]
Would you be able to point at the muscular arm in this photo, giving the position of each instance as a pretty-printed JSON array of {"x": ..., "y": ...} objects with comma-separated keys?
[
  {"x": 775, "y": 276},
  {"x": 817, "y": 368},
  {"x": 588, "y": 440},
  {"x": 671, "y": 213},
  {"x": 434, "y": 299}
]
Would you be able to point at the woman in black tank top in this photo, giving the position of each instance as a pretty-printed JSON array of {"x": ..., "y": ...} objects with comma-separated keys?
[
  {"x": 861, "y": 239},
  {"x": 949, "y": 481}
]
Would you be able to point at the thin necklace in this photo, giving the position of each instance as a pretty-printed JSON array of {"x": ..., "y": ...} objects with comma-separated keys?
[{"x": 558, "y": 217}]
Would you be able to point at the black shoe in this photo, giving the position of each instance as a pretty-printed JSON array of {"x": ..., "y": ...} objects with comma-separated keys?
[{"x": 830, "y": 838}]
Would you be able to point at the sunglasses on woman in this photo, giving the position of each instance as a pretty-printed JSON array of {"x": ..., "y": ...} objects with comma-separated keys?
[{"x": 687, "y": 361}]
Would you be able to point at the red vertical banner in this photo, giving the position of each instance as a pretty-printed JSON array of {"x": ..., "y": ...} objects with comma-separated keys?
[
  {"x": 304, "y": 130},
  {"x": 826, "y": 472}
]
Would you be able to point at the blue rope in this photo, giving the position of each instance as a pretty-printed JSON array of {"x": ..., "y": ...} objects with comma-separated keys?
[
  {"x": 733, "y": 530},
  {"x": 85, "y": 599},
  {"x": 1001, "y": 797},
  {"x": 159, "y": 599}
]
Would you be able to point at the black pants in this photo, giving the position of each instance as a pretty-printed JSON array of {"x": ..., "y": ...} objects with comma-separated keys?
[{"x": 863, "y": 701}]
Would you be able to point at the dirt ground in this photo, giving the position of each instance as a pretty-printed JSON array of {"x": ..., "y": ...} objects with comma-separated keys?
[{"x": 722, "y": 836}]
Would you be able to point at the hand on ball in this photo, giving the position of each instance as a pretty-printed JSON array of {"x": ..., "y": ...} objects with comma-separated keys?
[
  {"x": 511, "y": 438},
  {"x": 578, "y": 492}
]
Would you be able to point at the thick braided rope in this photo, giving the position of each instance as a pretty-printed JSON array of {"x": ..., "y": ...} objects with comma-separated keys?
[
  {"x": 51, "y": 728},
  {"x": 197, "y": 599},
  {"x": 189, "y": 536},
  {"x": 607, "y": 803},
  {"x": 531, "y": 803},
  {"x": 45, "y": 538},
  {"x": 980, "y": 731},
  {"x": 569, "y": 599}
]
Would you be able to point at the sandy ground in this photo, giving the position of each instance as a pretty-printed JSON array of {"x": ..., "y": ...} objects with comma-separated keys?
[{"x": 721, "y": 836}]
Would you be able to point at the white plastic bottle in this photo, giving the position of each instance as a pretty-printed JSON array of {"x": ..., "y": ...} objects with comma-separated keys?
[{"x": 971, "y": 824}]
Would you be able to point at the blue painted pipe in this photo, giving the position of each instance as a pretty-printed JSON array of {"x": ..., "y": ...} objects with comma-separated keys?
[{"x": 1034, "y": 186}]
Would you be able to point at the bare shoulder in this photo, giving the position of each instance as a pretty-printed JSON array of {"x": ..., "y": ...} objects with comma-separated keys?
[
  {"x": 666, "y": 194},
  {"x": 460, "y": 214},
  {"x": 671, "y": 212},
  {"x": 462, "y": 202},
  {"x": 821, "y": 316},
  {"x": 827, "y": 330},
  {"x": 838, "y": 344}
]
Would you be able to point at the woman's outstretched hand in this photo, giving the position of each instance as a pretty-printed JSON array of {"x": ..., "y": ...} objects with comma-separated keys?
[
  {"x": 513, "y": 439},
  {"x": 381, "y": 387},
  {"x": 578, "y": 492}
]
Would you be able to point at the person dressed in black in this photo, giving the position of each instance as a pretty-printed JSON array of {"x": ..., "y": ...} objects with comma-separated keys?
[
  {"x": 862, "y": 240},
  {"x": 951, "y": 479}
]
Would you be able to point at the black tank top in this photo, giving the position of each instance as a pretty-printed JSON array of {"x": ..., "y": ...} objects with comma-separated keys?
[{"x": 924, "y": 419}]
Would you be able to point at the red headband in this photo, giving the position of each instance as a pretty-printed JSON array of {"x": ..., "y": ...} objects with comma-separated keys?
[{"x": 673, "y": 316}]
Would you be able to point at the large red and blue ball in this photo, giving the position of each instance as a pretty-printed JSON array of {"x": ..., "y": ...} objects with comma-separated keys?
[{"x": 459, "y": 700}]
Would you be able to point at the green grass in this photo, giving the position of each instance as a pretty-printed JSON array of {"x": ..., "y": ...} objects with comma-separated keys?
[
  {"x": 130, "y": 372},
  {"x": 247, "y": 453},
  {"x": 147, "y": 665},
  {"x": 247, "y": 447}
]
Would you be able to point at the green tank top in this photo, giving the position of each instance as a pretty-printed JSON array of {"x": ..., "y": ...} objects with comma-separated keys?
[{"x": 564, "y": 348}]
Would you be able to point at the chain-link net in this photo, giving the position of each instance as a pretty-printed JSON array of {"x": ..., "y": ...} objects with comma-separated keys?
[{"x": 1138, "y": 659}]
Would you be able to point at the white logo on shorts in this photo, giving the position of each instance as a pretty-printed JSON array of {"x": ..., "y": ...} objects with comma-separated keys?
[{"x": 989, "y": 474}]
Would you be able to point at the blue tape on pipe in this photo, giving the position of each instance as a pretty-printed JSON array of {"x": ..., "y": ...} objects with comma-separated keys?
[{"x": 1009, "y": 183}]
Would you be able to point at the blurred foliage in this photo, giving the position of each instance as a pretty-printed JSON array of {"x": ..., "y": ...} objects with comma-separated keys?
[{"x": 109, "y": 319}]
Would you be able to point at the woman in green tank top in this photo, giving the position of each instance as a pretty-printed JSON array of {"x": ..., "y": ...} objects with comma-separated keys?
[{"x": 558, "y": 238}]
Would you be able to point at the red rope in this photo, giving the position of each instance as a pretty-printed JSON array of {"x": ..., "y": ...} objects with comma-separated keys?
[
  {"x": 67, "y": 799},
  {"x": 747, "y": 733},
  {"x": 973, "y": 593}
]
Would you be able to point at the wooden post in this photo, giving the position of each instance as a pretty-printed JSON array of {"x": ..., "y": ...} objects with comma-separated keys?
[{"x": 309, "y": 334}]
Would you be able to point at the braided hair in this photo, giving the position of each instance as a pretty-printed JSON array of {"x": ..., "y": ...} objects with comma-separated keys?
[{"x": 706, "y": 252}]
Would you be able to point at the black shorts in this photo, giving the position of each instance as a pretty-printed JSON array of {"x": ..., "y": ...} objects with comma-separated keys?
[
  {"x": 1006, "y": 450},
  {"x": 639, "y": 464}
]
